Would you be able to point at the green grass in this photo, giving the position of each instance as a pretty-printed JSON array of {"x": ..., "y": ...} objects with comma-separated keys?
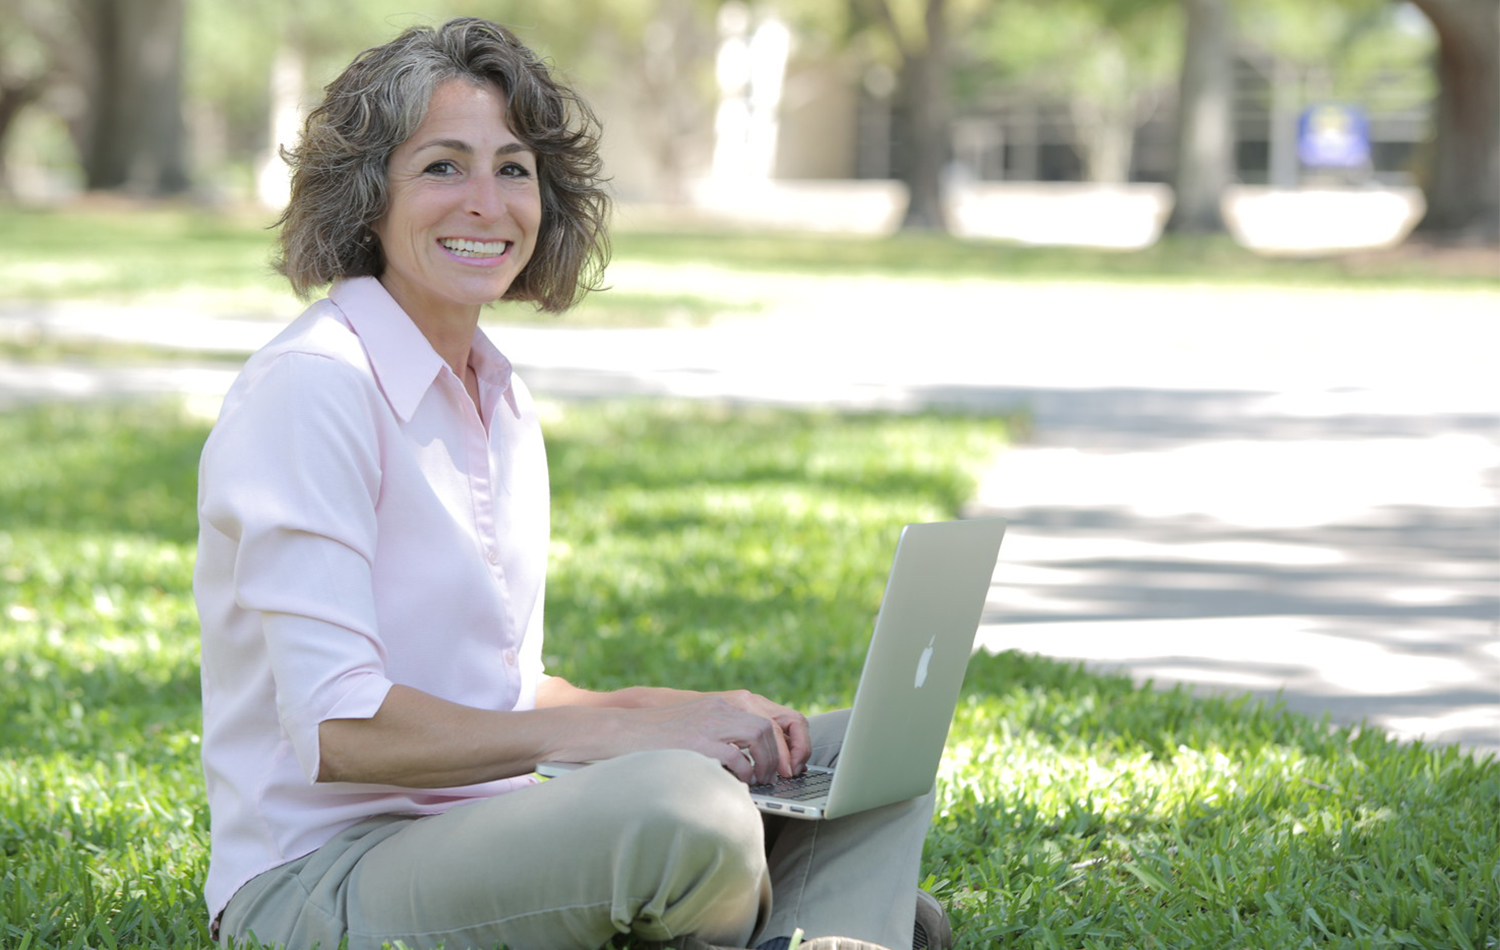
[
  {"x": 704, "y": 546},
  {"x": 102, "y": 817},
  {"x": 132, "y": 255}
]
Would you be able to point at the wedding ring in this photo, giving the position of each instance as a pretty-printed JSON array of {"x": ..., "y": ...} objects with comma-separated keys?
[{"x": 746, "y": 753}]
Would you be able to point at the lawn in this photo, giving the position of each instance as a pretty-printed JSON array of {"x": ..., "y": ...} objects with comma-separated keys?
[{"x": 698, "y": 546}]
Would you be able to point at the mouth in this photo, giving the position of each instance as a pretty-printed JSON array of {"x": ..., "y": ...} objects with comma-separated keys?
[{"x": 462, "y": 247}]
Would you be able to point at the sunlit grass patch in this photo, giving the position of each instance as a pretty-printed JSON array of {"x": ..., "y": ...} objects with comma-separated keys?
[{"x": 1078, "y": 810}]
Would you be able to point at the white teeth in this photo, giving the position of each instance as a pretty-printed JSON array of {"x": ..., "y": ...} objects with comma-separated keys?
[{"x": 465, "y": 248}]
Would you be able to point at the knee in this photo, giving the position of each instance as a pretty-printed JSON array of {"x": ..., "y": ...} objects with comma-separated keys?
[
  {"x": 684, "y": 789},
  {"x": 695, "y": 843},
  {"x": 685, "y": 802}
]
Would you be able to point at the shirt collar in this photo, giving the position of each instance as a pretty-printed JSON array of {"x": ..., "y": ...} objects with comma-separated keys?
[
  {"x": 404, "y": 363},
  {"x": 492, "y": 368}
]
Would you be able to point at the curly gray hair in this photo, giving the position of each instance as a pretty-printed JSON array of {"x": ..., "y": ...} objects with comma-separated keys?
[{"x": 339, "y": 185}]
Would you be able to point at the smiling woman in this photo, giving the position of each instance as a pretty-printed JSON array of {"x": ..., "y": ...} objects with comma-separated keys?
[{"x": 374, "y": 526}]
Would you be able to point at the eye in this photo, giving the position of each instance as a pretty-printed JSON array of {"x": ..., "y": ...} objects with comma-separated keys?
[
  {"x": 441, "y": 168},
  {"x": 514, "y": 170}
]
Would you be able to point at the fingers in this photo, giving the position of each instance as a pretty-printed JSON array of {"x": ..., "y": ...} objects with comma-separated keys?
[
  {"x": 768, "y": 761},
  {"x": 780, "y": 750},
  {"x": 750, "y": 736},
  {"x": 791, "y": 737},
  {"x": 748, "y": 767},
  {"x": 754, "y": 755},
  {"x": 796, "y": 739},
  {"x": 783, "y": 755}
]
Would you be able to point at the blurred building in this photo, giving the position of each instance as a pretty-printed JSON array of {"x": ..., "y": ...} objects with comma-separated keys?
[
  {"x": 1019, "y": 136},
  {"x": 805, "y": 142}
]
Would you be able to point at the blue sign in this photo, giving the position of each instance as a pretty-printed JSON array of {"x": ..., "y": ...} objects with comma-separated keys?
[{"x": 1333, "y": 136}]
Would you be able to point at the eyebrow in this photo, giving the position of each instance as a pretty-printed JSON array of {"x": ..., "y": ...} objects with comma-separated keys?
[{"x": 458, "y": 145}]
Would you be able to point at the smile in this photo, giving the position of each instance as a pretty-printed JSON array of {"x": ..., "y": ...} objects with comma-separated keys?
[{"x": 466, "y": 248}]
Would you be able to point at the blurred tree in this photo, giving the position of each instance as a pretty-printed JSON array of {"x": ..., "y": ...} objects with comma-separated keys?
[
  {"x": 1125, "y": 63},
  {"x": 298, "y": 48},
  {"x": 230, "y": 51},
  {"x": 651, "y": 62},
  {"x": 132, "y": 134},
  {"x": 1335, "y": 38},
  {"x": 1204, "y": 163},
  {"x": 258, "y": 64},
  {"x": 32, "y": 64},
  {"x": 1110, "y": 60},
  {"x": 1462, "y": 184},
  {"x": 919, "y": 34}
]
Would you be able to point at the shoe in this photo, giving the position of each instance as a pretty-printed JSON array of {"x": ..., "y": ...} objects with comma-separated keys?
[{"x": 932, "y": 930}]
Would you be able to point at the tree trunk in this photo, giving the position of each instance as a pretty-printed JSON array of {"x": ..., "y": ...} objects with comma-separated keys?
[
  {"x": 133, "y": 136},
  {"x": 1205, "y": 120},
  {"x": 924, "y": 123},
  {"x": 14, "y": 97},
  {"x": 1462, "y": 181},
  {"x": 1104, "y": 118}
]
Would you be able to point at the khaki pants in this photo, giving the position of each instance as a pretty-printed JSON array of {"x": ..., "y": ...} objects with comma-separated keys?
[{"x": 657, "y": 845}]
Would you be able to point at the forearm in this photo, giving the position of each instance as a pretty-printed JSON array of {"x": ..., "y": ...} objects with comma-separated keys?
[
  {"x": 555, "y": 691},
  {"x": 417, "y": 740}
]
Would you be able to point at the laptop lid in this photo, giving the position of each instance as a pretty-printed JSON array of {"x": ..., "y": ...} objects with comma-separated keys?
[{"x": 913, "y": 674}]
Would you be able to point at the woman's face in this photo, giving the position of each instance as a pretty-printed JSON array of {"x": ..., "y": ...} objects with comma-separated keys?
[{"x": 464, "y": 206}]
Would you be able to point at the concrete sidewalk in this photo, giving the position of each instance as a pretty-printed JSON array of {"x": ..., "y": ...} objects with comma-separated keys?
[{"x": 1291, "y": 493}]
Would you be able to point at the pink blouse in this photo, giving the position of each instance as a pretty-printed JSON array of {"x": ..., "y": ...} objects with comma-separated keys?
[{"x": 359, "y": 527}]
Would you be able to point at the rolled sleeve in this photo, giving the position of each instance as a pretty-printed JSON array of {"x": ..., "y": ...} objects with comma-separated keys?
[{"x": 293, "y": 482}]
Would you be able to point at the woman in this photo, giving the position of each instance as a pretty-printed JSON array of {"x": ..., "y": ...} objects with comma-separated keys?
[{"x": 374, "y": 523}]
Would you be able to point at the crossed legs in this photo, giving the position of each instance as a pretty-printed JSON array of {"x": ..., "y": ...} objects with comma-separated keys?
[{"x": 658, "y": 845}]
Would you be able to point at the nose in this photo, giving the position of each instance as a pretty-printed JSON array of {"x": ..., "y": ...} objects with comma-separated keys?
[{"x": 486, "y": 197}]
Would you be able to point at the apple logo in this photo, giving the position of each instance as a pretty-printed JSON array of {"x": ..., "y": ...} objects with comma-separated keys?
[{"x": 923, "y": 661}]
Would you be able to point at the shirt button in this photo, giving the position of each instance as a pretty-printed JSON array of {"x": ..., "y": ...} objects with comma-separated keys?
[
  {"x": 492, "y": 555},
  {"x": 510, "y": 657}
]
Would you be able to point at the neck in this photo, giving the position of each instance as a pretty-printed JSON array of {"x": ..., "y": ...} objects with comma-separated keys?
[
  {"x": 450, "y": 329},
  {"x": 453, "y": 341}
]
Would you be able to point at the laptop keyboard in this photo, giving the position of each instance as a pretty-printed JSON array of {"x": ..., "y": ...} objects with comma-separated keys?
[{"x": 799, "y": 788}]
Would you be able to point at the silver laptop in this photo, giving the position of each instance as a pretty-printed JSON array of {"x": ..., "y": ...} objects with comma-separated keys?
[{"x": 913, "y": 673}]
